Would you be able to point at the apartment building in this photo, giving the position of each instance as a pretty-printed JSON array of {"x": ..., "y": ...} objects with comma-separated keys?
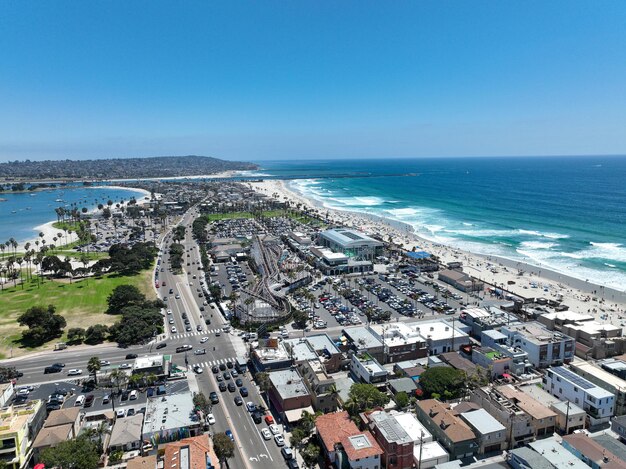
[
  {"x": 545, "y": 348},
  {"x": 605, "y": 380},
  {"x": 321, "y": 385},
  {"x": 567, "y": 385},
  {"x": 18, "y": 426}
]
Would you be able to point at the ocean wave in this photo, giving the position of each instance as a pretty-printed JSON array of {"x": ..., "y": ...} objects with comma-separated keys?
[
  {"x": 249, "y": 173},
  {"x": 537, "y": 245},
  {"x": 359, "y": 201},
  {"x": 543, "y": 235},
  {"x": 609, "y": 251},
  {"x": 403, "y": 212}
]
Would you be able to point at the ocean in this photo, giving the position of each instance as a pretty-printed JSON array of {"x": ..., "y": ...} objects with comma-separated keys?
[
  {"x": 22, "y": 212},
  {"x": 567, "y": 214}
]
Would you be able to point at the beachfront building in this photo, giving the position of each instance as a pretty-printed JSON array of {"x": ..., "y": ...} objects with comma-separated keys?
[
  {"x": 352, "y": 243},
  {"x": 460, "y": 280},
  {"x": 567, "y": 385},
  {"x": 336, "y": 263},
  {"x": 605, "y": 380},
  {"x": 448, "y": 428},
  {"x": 544, "y": 347},
  {"x": 344, "y": 445}
]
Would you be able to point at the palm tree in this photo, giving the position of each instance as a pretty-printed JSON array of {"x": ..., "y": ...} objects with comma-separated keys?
[
  {"x": 93, "y": 366},
  {"x": 98, "y": 432},
  {"x": 118, "y": 378}
]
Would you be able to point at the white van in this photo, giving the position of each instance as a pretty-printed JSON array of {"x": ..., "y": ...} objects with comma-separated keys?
[
  {"x": 80, "y": 400},
  {"x": 133, "y": 395}
]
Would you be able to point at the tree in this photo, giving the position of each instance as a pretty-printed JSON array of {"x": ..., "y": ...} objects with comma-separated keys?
[
  {"x": 93, "y": 366},
  {"x": 43, "y": 324},
  {"x": 75, "y": 335},
  {"x": 297, "y": 435},
  {"x": 442, "y": 380},
  {"x": 7, "y": 373},
  {"x": 124, "y": 295},
  {"x": 300, "y": 318},
  {"x": 365, "y": 396},
  {"x": 263, "y": 381},
  {"x": 81, "y": 453},
  {"x": 201, "y": 402},
  {"x": 224, "y": 447},
  {"x": 96, "y": 334},
  {"x": 310, "y": 454},
  {"x": 118, "y": 379},
  {"x": 402, "y": 399}
]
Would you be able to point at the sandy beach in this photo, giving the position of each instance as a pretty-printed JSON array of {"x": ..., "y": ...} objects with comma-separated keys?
[{"x": 527, "y": 280}]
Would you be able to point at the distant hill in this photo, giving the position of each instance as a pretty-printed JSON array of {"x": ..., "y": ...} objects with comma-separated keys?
[{"x": 120, "y": 168}]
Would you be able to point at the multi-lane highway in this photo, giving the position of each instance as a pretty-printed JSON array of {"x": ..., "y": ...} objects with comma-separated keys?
[{"x": 252, "y": 450}]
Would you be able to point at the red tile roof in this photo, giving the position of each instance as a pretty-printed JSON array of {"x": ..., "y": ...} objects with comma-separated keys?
[
  {"x": 199, "y": 447},
  {"x": 338, "y": 428}
]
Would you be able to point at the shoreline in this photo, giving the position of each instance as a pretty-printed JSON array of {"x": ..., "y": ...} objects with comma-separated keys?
[{"x": 534, "y": 281}]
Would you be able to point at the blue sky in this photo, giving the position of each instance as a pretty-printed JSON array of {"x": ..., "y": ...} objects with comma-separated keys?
[{"x": 319, "y": 79}]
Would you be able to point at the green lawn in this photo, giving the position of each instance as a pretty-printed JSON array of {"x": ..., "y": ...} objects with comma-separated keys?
[
  {"x": 82, "y": 303},
  {"x": 66, "y": 225},
  {"x": 268, "y": 213}
]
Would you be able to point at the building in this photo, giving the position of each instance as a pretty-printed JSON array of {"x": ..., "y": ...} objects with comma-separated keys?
[
  {"x": 170, "y": 418},
  {"x": 618, "y": 425},
  {"x": 543, "y": 419},
  {"x": 518, "y": 423},
  {"x": 497, "y": 341},
  {"x": 614, "y": 366},
  {"x": 526, "y": 458},
  {"x": 191, "y": 453},
  {"x": 315, "y": 347},
  {"x": 352, "y": 243},
  {"x": 479, "y": 319},
  {"x": 344, "y": 445},
  {"x": 567, "y": 385},
  {"x": 18, "y": 426},
  {"x": 366, "y": 369},
  {"x": 145, "y": 462},
  {"x": 320, "y": 385},
  {"x": 569, "y": 417},
  {"x": 364, "y": 338},
  {"x": 556, "y": 455},
  {"x": 440, "y": 335},
  {"x": 289, "y": 395},
  {"x": 151, "y": 365},
  {"x": 460, "y": 280},
  {"x": 591, "y": 452},
  {"x": 457, "y": 361},
  {"x": 61, "y": 425},
  {"x": 401, "y": 342},
  {"x": 545, "y": 348},
  {"x": 127, "y": 434},
  {"x": 6, "y": 393},
  {"x": 271, "y": 354},
  {"x": 611, "y": 444},
  {"x": 449, "y": 429},
  {"x": 491, "y": 433},
  {"x": 496, "y": 362},
  {"x": 605, "y": 380}
]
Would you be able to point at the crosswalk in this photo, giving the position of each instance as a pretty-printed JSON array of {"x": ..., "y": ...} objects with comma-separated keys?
[
  {"x": 195, "y": 333},
  {"x": 216, "y": 362}
]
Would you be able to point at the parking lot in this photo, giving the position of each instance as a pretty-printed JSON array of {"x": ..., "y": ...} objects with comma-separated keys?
[{"x": 64, "y": 394}]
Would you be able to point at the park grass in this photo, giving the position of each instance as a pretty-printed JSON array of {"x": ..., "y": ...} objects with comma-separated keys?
[
  {"x": 66, "y": 225},
  {"x": 82, "y": 303}
]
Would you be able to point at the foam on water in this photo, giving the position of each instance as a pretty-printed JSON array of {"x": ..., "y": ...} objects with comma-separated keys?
[{"x": 537, "y": 245}]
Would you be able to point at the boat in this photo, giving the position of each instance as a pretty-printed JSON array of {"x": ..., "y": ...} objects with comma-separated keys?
[{"x": 59, "y": 200}]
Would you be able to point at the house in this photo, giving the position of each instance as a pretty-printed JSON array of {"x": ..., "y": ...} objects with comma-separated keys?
[
  {"x": 618, "y": 425},
  {"x": 289, "y": 395},
  {"x": 127, "y": 434},
  {"x": 320, "y": 384},
  {"x": 18, "y": 426},
  {"x": 569, "y": 417},
  {"x": 191, "y": 453},
  {"x": 591, "y": 452},
  {"x": 344, "y": 445},
  {"x": 496, "y": 340},
  {"x": 556, "y": 455},
  {"x": 61, "y": 425},
  {"x": 483, "y": 319},
  {"x": 450, "y": 430},
  {"x": 567, "y": 385},
  {"x": 491, "y": 359},
  {"x": 491, "y": 433},
  {"x": 364, "y": 338},
  {"x": 542, "y": 418},
  {"x": 527, "y": 458},
  {"x": 145, "y": 462}
]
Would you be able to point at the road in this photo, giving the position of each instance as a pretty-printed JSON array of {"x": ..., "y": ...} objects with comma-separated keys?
[{"x": 252, "y": 450}]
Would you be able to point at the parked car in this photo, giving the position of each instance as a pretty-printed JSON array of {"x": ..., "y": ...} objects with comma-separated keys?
[{"x": 280, "y": 441}]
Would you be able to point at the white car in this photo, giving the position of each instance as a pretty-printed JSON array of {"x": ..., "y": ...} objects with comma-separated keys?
[
  {"x": 125, "y": 366},
  {"x": 198, "y": 369},
  {"x": 280, "y": 441},
  {"x": 174, "y": 330},
  {"x": 171, "y": 320},
  {"x": 274, "y": 429},
  {"x": 266, "y": 434},
  {"x": 120, "y": 413},
  {"x": 210, "y": 419},
  {"x": 177, "y": 297},
  {"x": 203, "y": 340},
  {"x": 105, "y": 363},
  {"x": 169, "y": 312},
  {"x": 74, "y": 372}
]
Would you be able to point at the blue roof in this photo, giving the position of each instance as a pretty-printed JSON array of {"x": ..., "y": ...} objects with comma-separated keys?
[{"x": 418, "y": 255}]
